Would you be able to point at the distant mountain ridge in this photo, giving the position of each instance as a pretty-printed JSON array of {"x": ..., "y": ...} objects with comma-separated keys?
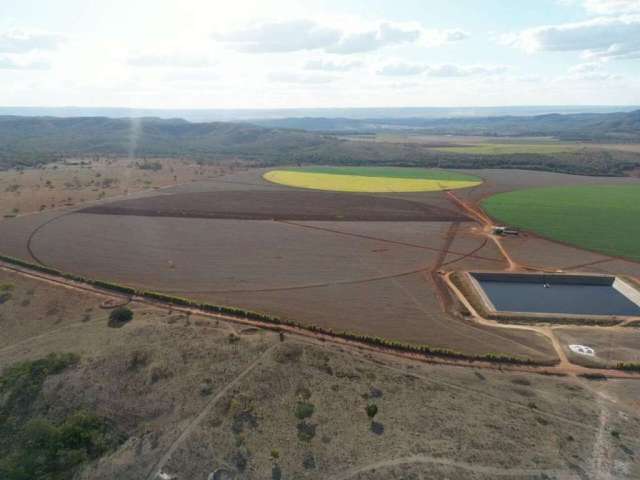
[
  {"x": 33, "y": 141},
  {"x": 622, "y": 126},
  {"x": 251, "y": 114}
]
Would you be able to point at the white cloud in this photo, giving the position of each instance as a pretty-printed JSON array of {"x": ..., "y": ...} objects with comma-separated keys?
[
  {"x": 600, "y": 37},
  {"x": 284, "y": 36},
  {"x": 402, "y": 69},
  {"x": 585, "y": 68},
  {"x": 385, "y": 35},
  {"x": 464, "y": 71},
  {"x": 441, "y": 37},
  {"x": 590, "y": 71},
  {"x": 21, "y": 41},
  {"x": 608, "y": 7},
  {"x": 171, "y": 60},
  {"x": 300, "y": 78},
  {"x": 446, "y": 70},
  {"x": 298, "y": 35},
  {"x": 331, "y": 66},
  {"x": 17, "y": 63}
]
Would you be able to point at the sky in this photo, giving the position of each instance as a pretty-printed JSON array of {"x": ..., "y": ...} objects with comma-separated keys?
[{"x": 310, "y": 54}]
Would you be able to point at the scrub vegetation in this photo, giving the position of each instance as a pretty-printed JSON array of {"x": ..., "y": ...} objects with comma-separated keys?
[{"x": 34, "y": 446}]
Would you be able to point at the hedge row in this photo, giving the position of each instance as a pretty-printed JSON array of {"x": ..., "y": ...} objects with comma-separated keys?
[
  {"x": 241, "y": 313},
  {"x": 629, "y": 366},
  {"x": 533, "y": 319}
]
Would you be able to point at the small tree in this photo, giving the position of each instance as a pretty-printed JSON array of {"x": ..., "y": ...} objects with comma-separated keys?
[
  {"x": 119, "y": 316},
  {"x": 372, "y": 410}
]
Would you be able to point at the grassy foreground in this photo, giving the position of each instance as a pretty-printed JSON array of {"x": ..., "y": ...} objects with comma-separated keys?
[
  {"x": 601, "y": 218},
  {"x": 371, "y": 179}
]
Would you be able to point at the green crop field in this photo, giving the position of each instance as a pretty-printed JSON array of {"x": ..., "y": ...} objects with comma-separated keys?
[
  {"x": 510, "y": 148},
  {"x": 601, "y": 218},
  {"x": 391, "y": 172}
]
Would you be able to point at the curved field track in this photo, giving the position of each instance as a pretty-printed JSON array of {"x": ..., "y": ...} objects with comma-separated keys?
[{"x": 203, "y": 255}]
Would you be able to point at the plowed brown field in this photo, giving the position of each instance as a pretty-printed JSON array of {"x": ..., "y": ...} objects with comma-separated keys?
[{"x": 363, "y": 263}]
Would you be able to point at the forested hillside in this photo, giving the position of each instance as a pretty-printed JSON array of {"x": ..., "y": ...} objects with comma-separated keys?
[{"x": 32, "y": 141}]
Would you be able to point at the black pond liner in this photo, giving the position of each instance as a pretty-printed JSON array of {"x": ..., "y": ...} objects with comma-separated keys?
[{"x": 563, "y": 294}]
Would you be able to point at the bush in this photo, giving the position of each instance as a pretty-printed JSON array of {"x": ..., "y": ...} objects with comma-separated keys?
[
  {"x": 304, "y": 410},
  {"x": 372, "y": 410},
  {"x": 119, "y": 316},
  {"x": 34, "y": 447},
  {"x": 21, "y": 383},
  {"x": 49, "y": 451},
  {"x": 306, "y": 431}
]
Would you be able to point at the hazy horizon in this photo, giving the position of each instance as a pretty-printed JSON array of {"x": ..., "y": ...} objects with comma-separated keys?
[{"x": 247, "y": 114}]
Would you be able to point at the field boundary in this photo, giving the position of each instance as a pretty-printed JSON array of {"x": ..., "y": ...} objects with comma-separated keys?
[
  {"x": 269, "y": 321},
  {"x": 355, "y": 341}
]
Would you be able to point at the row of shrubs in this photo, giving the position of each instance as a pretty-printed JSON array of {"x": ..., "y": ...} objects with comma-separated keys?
[
  {"x": 257, "y": 316},
  {"x": 533, "y": 319},
  {"x": 629, "y": 366}
]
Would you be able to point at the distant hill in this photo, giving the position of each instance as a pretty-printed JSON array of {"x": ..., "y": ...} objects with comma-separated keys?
[
  {"x": 32, "y": 138},
  {"x": 32, "y": 141},
  {"x": 251, "y": 114},
  {"x": 618, "y": 126}
]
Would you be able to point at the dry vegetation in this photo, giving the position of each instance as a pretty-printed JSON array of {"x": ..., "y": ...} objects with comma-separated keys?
[
  {"x": 192, "y": 396},
  {"x": 80, "y": 181}
]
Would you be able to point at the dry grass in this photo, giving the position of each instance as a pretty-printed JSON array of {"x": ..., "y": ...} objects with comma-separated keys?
[
  {"x": 79, "y": 181},
  {"x": 155, "y": 375}
]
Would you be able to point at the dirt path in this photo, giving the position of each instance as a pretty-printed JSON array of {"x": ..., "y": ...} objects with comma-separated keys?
[
  {"x": 440, "y": 287},
  {"x": 323, "y": 337},
  {"x": 486, "y": 224},
  {"x": 383, "y": 240},
  {"x": 157, "y": 468},
  {"x": 564, "y": 364},
  {"x": 309, "y": 285},
  {"x": 448, "y": 462},
  {"x": 601, "y": 454},
  {"x": 70, "y": 326}
]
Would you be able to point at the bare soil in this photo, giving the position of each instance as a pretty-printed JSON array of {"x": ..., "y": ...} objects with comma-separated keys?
[
  {"x": 375, "y": 277},
  {"x": 278, "y": 205}
]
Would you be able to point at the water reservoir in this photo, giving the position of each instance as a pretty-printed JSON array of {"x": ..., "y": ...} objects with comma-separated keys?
[{"x": 559, "y": 294}]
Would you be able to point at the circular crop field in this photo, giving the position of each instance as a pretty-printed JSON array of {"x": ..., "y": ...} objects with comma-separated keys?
[
  {"x": 371, "y": 179},
  {"x": 601, "y": 218}
]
